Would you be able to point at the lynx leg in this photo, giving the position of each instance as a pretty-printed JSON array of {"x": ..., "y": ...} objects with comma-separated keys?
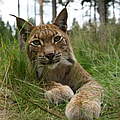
[
  {"x": 59, "y": 93},
  {"x": 86, "y": 104}
]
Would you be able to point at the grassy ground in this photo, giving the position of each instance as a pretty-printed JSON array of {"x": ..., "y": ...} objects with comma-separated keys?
[{"x": 21, "y": 97}]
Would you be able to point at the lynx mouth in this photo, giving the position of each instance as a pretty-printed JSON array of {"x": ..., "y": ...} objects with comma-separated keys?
[
  {"x": 50, "y": 62},
  {"x": 45, "y": 60}
]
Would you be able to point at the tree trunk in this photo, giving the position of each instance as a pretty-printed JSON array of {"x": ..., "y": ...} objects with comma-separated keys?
[
  {"x": 54, "y": 9},
  {"x": 113, "y": 4},
  {"x": 27, "y": 9},
  {"x": 35, "y": 12},
  {"x": 60, "y": 1},
  {"x": 95, "y": 10},
  {"x": 41, "y": 11},
  {"x": 103, "y": 11},
  {"x": 90, "y": 9},
  {"x": 18, "y": 8},
  {"x": 21, "y": 42}
]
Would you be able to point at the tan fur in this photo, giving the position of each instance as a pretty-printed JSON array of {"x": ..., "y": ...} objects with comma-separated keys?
[
  {"x": 59, "y": 93},
  {"x": 60, "y": 72}
]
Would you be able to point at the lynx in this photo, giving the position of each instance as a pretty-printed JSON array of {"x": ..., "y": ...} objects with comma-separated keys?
[{"x": 50, "y": 52}]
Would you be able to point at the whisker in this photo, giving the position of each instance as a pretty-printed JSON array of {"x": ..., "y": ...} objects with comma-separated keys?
[
  {"x": 58, "y": 58},
  {"x": 58, "y": 54},
  {"x": 41, "y": 58},
  {"x": 34, "y": 61},
  {"x": 55, "y": 61},
  {"x": 64, "y": 57}
]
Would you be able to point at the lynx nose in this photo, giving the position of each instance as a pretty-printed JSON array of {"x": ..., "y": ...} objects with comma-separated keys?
[{"x": 50, "y": 56}]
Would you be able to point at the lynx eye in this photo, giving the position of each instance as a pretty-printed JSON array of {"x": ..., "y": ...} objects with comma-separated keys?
[
  {"x": 57, "y": 39},
  {"x": 36, "y": 42}
]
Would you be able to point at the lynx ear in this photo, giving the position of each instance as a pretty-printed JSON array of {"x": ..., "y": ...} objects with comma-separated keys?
[
  {"x": 24, "y": 27},
  {"x": 61, "y": 20}
]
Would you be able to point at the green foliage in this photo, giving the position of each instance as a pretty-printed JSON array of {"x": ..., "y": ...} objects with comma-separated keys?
[
  {"x": 5, "y": 32},
  {"x": 26, "y": 94},
  {"x": 100, "y": 58}
]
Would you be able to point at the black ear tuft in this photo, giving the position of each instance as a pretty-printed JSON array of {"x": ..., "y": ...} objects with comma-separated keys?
[
  {"x": 61, "y": 20},
  {"x": 24, "y": 27}
]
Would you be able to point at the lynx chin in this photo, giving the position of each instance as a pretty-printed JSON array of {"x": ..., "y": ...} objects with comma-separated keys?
[{"x": 50, "y": 52}]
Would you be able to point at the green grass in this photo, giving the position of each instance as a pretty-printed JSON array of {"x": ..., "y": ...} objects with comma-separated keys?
[
  {"x": 26, "y": 98},
  {"x": 100, "y": 58}
]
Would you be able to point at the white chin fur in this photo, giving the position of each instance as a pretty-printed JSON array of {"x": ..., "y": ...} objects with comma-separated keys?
[
  {"x": 63, "y": 61},
  {"x": 66, "y": 62},
  {"x": 53, "y": 66}
]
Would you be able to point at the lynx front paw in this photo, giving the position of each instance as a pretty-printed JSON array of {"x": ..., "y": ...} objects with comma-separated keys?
[
  {"x": 87, "y": 110},
  {"x": 59, "y": 94}
]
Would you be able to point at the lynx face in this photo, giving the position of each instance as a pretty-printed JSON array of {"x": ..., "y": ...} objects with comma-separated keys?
[{"x": 48, "y": 44}]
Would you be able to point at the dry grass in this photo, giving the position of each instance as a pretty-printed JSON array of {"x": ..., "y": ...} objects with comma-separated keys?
[{"x": 23, "y": 98}]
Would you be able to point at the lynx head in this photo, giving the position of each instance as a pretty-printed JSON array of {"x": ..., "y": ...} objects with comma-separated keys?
[{"x": 48, "y": 44}]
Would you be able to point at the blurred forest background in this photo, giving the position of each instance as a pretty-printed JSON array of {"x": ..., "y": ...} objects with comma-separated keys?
[{"x": 96, "y": 46}]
